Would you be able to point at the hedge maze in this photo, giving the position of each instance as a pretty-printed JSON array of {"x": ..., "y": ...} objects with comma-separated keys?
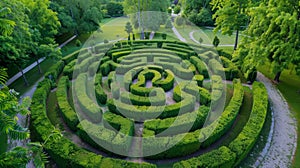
[{"x": 154, "y": 99}]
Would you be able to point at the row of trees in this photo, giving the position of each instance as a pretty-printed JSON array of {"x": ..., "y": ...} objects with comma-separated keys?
[{"x": 272, "y": 32}]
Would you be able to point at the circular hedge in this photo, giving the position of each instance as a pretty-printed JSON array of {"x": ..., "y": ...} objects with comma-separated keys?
[{"x": 174, "y": 90}]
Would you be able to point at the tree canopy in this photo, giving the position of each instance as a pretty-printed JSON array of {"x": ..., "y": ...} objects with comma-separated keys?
[{"x": 274, "y": 33}]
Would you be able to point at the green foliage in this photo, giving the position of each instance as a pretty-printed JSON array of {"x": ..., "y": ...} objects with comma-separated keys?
[
  {"x": 199, "y": 79},
  {"x": 78, "y": 43},
  {"x": 7, "y": 25},
  {"x": 216, "y": 41},
  {"x": 224, "y": 122},
  {"x": 78, "y": 16},
  {"x": 114, "y": 9},
  {"x": 180, "y": 124},
  {"x": 243, "y": 144},
  {"x": 200, "y": 65},
  {"x": 128, "y": 28},
  {"x": 177, "y": 9},
  {"x": 67, "y": 111},
  {"x": 221, "y": 157},
  {"x": 87, "y": 106},
  {"x": 55, "y": 70},
  {"x": 168, "y": 24},
  {"x": 272, "y": 23}
]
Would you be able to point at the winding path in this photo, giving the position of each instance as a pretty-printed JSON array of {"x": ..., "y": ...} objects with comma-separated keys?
[{"x": 284, "y": 139}]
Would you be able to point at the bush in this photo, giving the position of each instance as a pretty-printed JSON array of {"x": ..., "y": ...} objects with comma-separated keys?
[
  {"x": 185, "y": 122},
  {"x": 199, "y": 79},
  {"x": 221, "y": 157},
  {"x": 244, "y": 142},
  {"x": 54, "y": 71},
  {"x": 100, "y": 94},
  {"x": 200, "y": 66},
  {"x": 167, "y": 83},
  {"x": 78, "y": 43},
  {"x": 156, "y": 98},
  {"x": 87, "y": 105},
  {"x": 177, "y": 9},
  {"x": 66, "y": 110},
  {"x": 224, "y": 122},
  {"x": 68, "y": 70}
]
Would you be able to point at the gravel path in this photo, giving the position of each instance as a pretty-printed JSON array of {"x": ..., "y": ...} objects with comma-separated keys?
[{"x": 284, "y": 139}]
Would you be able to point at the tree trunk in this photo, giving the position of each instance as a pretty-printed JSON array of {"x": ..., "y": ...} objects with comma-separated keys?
[
  {"x": 3, "y": 142},
  {"x": 236, "y": 40},
  {"x": 23, "y": 75},
  {"x": 39, "y": 66},
  {"x": 277, "y": 76}
]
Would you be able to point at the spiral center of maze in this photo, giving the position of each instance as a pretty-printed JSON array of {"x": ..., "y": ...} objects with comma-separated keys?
[{"x": 155, "y": 100}]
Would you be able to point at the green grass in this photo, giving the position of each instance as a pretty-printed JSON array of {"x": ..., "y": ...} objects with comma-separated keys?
[
  {"x": 289, "y": 86},
  {"x": 32, "y": 76}
]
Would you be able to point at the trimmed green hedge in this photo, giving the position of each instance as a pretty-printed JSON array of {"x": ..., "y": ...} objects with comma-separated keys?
[
  {"x": 224, "y": 122},
  {"x": 200, "y": 65},
  {"x": 55, "y": 70},
  {"x": 156, "y": 98},
  {"x": 88, "y": 107},
  {"x": 231, "y": 71},
  {"x": 193, "y": 120},
  {"x": 244, "y": 142},
  {"x": 221, "y": 157},
  {"x": 167, "y": 83},
  {"x": 67, "y": 111},
  {"x": 67, "y": 59},
  {"x": 124, "y": 125},
  {"x": 199, "y": 79},
  {"x": 141, "y": 113},
  {"x": 68, "y": 69}
]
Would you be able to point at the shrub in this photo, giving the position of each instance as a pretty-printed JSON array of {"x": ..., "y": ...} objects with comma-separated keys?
[
  {"x": 221, "y": 157},
  {"x": 185, "y": 122},
  {"x": 244, "y": 142},
  {"x": 100, "y": 94},
  {"x": 54, "y": 71},
  {"x": 156, "y": 98},
  {"x": 68, "y": 70},
  {"x": 87, "y": 105},
  {"x": 224, "y": 122},
  {"x": 78, "y": 43},
  {"x": 200, "y": 66},
  {"x": 199, "y": 79},
  {"x": 167, "y": 83},
  {"x": 67, "y": 111}
]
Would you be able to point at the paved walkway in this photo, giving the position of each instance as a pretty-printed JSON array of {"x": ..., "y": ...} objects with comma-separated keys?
[
  {"x": 152, "y": 35},
  {"x": 18, "y": 75}
]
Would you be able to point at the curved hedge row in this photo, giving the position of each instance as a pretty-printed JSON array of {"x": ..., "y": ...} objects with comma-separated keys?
[
  {"x": 243, "y": 144},
  {"x": 156, "y": 98},
  {"x": 200, "y": 65},
  {"x": 224, "y": 122},
  {"x": 63, "y": 151},
  {"x": 193, "y": 120},
  {"x": 87, "y": 105},
  {"x": 67, "y": 111}
]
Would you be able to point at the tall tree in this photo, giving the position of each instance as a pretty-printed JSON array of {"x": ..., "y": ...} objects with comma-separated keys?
[
  {"x": 13, "y": 48},
  {"x": 230, "y": 16},
  {"x": 6, "y": 25},
  {"x": 44, "y": 25},
  {"x": 78, "y": 16},
  {"x": 274, "y": 33}
]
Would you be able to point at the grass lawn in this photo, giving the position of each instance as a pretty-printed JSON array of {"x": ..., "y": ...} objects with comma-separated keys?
[
  {"x": 32, "y": 76},
  {"x": 289, "y": 87}
]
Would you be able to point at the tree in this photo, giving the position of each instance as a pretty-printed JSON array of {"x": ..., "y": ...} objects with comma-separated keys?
[
  {"x": 6, "y": 25},
  {"x": 14, "y": 48},
  {"x": 230, "y": 15},
  {"x": 274, "y": 33},
  {"x": 78, "y": 16},
  {"x": 128, "y": 28},
  {"x": 114, "y": 9},
  {"x": 216, "y": 41},
  {"x": 44, "y": 25}
]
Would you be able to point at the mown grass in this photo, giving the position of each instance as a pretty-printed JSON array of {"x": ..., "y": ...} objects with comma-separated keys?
[{"x": 289, "y": 86}]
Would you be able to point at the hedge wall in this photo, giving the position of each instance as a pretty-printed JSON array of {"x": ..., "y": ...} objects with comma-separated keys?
[
  {"x": 87, "y": 105},
  {"x": 193, "y": 120},
  {"x": 156, "y": 98},
  {"x": 55, "y": 70},
  {"x": 243, "y": 144},
  {"x": 67, "y": 111},
  {"x": 200, "y": 65},
  {"x": 224, "y": 122},
  {"x": 68, "y": 69},
  {"x": 221, "y": 157}
]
